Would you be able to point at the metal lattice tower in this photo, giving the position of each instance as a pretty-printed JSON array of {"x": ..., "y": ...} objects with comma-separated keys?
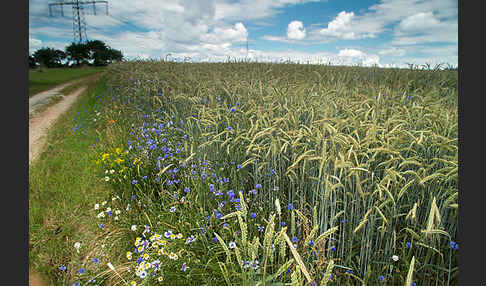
[{"x": 79, "y": 22}]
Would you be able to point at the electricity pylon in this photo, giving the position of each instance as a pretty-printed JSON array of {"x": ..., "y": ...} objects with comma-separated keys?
[{"x": 79, "y": 23}]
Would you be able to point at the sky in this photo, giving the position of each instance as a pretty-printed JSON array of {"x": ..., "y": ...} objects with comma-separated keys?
[{"x": 386, "y": 33}]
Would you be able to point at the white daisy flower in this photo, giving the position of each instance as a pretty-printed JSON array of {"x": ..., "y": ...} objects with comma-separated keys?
[
  {"x": 134, "y": 227},
  {"x": 232, "y": 244},
  {"x": 96, "y": 206},
  {"x": 395, "y": 257},
  {"x": 173, "y": 256},
  {"x": 77, "y": 245}
]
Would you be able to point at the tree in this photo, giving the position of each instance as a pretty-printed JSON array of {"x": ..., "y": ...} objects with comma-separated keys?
[
  {"x": 101, "y": 54},
  {"x": 115, "y": 55},
  {"x": 94, "y": 50},
  {"x": 32, "y": 63},
  {"x": 77, "y": 52},
  {"x": 49, "y": 57}
]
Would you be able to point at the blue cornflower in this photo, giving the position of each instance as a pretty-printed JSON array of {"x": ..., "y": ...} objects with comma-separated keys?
[
  {"x": 96, "y": 260},
  {"x": 238, "y": 207},
  {"x": 381, "y": 277},
  {"x": 62, "y": 267},
  {"x": 81, "y": 271},
  {"x": 229, "y": 128},
  {"x": 253, "y": 215},
  {"x": 260, "y": 228},
  {"x": 258, "y": 186},
  {"x": 344, "y": 220},
  {"x": 333, "y": 248},
  {"x": 238, "y": 166},
  {"x": 134, "y": 182},
  {"x": 217, "y": 214},
  {"x": 101, "y": 225},
  {"x": 225, "y": 225},
  {"x": 409, "y": 244},
  {"x": 454, "y": 245},
  {"x": 253, "y": 191},
  {"x": 295, "y": 239},
  {"x": 187, "y": 190},
  {"x": 290, "y": 206},
  {"x": 215, "y": 239},
  {"x": 311, "y": 243},
  {"x": 284, "y": 223},
  {"x": 204, "y": 176},
  {"x": 232, "y": 109},
  {"x": 77, "y": 283},
  {"x": 349, "y": 271}
]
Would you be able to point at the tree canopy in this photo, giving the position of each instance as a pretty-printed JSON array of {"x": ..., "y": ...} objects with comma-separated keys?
[
  {"x": 94, "y": 52},
  {"x": 49, "y": 57}
]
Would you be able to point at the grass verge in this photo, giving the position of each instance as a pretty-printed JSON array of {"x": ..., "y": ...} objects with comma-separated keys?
[{"x": 61, "y": 187}]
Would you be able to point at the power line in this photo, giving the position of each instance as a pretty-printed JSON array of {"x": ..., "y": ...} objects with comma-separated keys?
[
  {"x": 124, "y": 21},
  {"x": 79, "y": 22}
]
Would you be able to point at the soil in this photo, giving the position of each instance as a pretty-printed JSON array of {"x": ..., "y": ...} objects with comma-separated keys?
[
  {"x": 42, "y": 116},
  {"x": 41, "y": 121},
  {"x": 35, "y": 279}
]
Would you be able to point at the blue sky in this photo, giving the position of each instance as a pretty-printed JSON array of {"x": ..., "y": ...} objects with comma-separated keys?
[{"x": 387, "y": 33}]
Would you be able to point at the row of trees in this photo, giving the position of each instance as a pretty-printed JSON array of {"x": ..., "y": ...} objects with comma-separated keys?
[{"x": 93, "y": 52}]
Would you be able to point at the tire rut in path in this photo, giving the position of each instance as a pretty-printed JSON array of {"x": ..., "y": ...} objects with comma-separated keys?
[{"x": 40, "y": 123}]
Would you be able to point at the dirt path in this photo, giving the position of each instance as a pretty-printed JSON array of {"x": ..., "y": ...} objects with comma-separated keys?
[{"x": 39, "y": 123}]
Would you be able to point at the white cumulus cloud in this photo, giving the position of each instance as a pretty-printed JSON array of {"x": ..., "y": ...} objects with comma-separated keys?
[
  {"x": 295, "y": 30},
  {"x": 353, "y": 56},
  {"x": 393, "y": 51},
  {"x": 352, "y": 53},
  {"x": 340, "y": 27},
  {"x": 419, "y": 22}
]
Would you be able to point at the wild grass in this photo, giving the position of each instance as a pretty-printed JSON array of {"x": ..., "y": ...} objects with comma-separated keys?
[
  {"x": 284, "y": 173},
  {"x": 41, "y": 79},
  {"x": 62, "y": 185}
]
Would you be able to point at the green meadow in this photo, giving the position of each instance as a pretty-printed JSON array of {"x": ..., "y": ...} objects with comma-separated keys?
[{"x": 41, "y": 79}]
